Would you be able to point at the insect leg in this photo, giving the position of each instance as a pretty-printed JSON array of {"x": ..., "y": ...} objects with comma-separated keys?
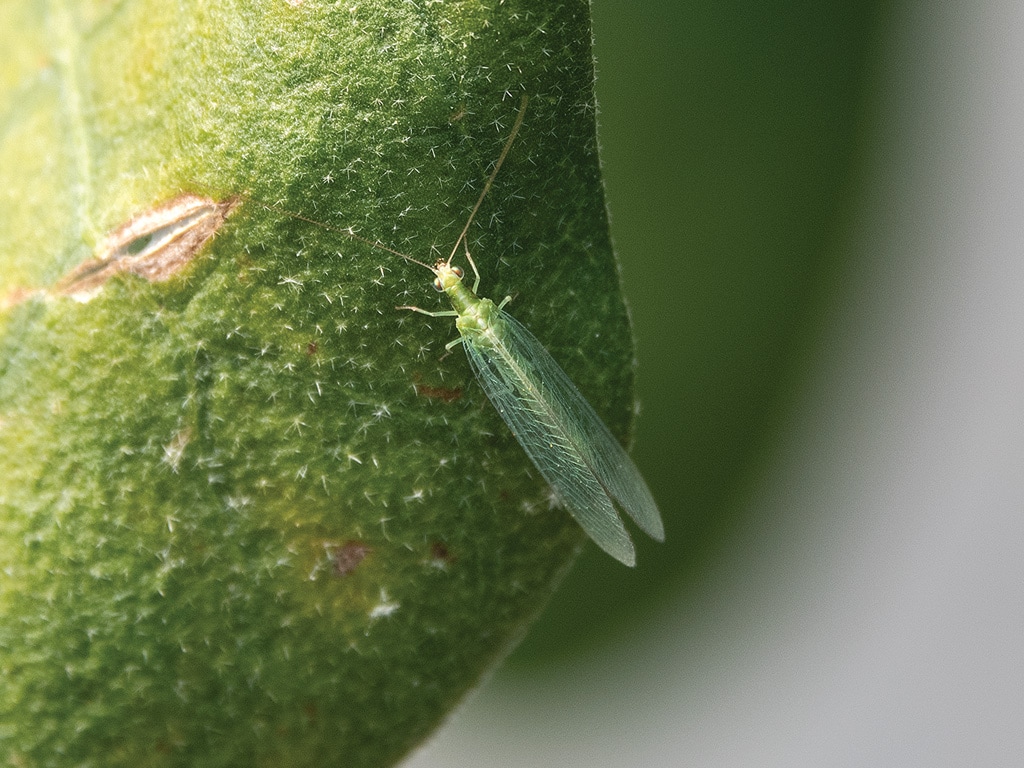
[
  {"x": 476, "y": 272},
  {"x": 454, "y": 343}
]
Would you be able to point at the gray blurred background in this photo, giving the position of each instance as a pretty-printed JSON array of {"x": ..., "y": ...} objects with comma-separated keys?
[{"x": 819, "y": 208}]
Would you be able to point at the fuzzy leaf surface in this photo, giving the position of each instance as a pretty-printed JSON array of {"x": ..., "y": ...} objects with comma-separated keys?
[{"x": 250, "y": 513}]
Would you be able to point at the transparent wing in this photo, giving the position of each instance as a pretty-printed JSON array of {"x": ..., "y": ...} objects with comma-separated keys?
[
  {"x": 550, "y": 445},
  {"x": 603, "y": 453}
]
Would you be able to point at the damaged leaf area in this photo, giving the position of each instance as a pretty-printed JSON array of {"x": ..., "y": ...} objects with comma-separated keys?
[
  {"x": 251, "y": 514},
  {"x": 154, "y": 245}
]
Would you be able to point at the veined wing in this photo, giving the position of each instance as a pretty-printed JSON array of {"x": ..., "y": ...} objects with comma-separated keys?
[
  {"x": 564, "y": 437},
  {"x": 548, "y": 444},
  {"x": 604, "y": 454}
]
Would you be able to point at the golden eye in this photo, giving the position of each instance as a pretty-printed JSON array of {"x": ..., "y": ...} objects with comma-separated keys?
[
  {"x": 438, "y": 285},
  {"x": 458, "y": 272}
]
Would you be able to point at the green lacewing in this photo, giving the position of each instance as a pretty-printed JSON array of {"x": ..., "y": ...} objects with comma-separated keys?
[
  {"x": 555, "y": 425},
  {"x": 559, "y": 430}
]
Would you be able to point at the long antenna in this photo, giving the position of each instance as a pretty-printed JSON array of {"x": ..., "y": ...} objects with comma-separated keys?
[
  {"x": 347, "y": 232},
  {"x": 490, "y": 179}
]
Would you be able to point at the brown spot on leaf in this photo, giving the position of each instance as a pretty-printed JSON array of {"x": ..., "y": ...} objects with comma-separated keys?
[
  {"x": 154, "y": 245},
  {"x": 312, "y": 713},
  {"x": 347, "y": 557},
  {"x": 440, "y": 555},
  {"x": 445, "y": 394},
  {"x": 312, "y": 348}
]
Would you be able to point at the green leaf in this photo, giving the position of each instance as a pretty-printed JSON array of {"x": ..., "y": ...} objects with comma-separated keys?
[{"x": 250, "y": 513}]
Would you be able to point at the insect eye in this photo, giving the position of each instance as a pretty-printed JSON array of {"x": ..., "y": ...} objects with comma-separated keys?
[
  {"x": 438, "y": 285},
  {"x": 458, "y": 272}
]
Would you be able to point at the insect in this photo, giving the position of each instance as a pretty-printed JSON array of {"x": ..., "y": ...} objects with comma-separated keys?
[
  {"x": 561, "y": 433},
  {"x": 559, "y": 430}
]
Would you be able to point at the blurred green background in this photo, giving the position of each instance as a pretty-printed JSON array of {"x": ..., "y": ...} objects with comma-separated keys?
[{"x": 731, "y": 135}]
